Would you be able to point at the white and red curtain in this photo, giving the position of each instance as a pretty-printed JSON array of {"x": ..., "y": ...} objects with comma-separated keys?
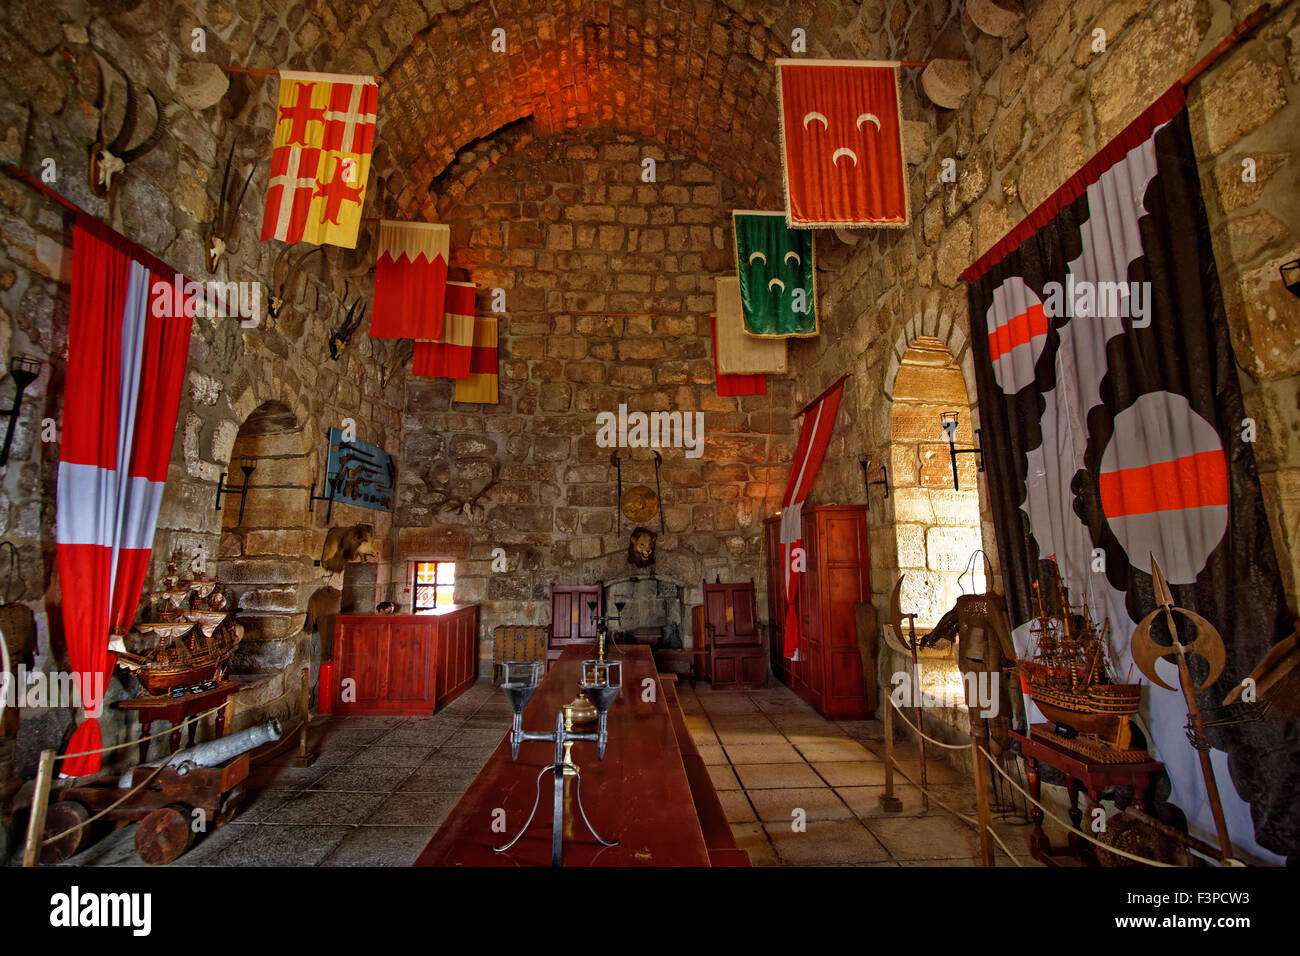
[
  {"x": 1112, "y": 424},
  {"x": 842, "y": 143},
  {"x": 410, "y": 280},
  {"x": 814, "y": 437},
  {"x": 127, "y": 348},
  {"x": 449, "y": 355}
]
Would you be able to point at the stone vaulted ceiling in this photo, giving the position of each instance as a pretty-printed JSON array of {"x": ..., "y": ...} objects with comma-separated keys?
[{"x": 696, "y": 77}]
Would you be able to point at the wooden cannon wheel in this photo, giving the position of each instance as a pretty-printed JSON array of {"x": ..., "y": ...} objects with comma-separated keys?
[
  {"x": 165, "y": 834},
  {"x": 61, "y": 816}
]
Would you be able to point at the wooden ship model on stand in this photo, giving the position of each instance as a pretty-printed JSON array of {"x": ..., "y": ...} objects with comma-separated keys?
[
  {"x": 195, "y": 634},
  {"x": 1070, "y": 679}
]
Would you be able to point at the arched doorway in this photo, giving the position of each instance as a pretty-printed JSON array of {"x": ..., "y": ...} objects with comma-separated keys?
[
  {"x": 937, "y": 526},
  {"x": 263, "y": 543}
]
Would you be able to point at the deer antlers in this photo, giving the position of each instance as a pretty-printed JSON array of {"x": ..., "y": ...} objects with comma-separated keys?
[
  {"x": 226, "y": 220},
  {"x": 340, "y": 337},
  {"x": 281, "y": 285},
  {"x": 107, "y": 161},
  {"x": 446, "y": 499}
]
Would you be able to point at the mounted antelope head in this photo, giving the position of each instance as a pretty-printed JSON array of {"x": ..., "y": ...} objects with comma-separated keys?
[
  {"x": 284, "y": 273},
  {"x": 340, "y": 337},
  {"x": 226, "y": 221},
  {"x": 106, "y": 161},
  {"x": 399, "y": 357},
  {"x": 444, "y": 498}
]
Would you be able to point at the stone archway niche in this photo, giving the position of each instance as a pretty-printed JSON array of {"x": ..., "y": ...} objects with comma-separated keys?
[
  {"x": 937, "y": 527},
  {"x": 261, "y": 557}
]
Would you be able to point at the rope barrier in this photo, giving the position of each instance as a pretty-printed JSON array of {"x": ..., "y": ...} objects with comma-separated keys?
[
  {"x": 1069, "y": 826},
  {"x": 961, "y": 816},
  {"x": 131, "y": 743},
  {"x": 917, "y": 730}
]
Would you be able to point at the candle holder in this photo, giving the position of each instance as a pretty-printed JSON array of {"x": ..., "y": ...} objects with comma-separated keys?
[{"x": 601, "y": 682}]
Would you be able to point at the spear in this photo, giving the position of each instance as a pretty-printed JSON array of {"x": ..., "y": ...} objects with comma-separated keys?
[{"x": 1207, "y": 643}]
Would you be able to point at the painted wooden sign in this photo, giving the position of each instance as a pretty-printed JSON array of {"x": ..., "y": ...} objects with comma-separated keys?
[{"x": 360, "y": 473}]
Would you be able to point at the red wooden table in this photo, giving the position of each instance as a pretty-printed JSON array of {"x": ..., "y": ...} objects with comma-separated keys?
[
  {"x": 176, "y": 710},
  {"x": 639, "y": 795},
  {"x": 1094, "y": 777}
]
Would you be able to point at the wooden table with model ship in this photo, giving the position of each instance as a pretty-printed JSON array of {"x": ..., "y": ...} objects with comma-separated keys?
[{"x": 640, "y": 795}]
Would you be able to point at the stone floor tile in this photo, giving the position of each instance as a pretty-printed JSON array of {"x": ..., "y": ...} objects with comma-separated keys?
[
  {"x": 835, "y": 750},
  {"x": 435, "y": 779},
  {"x": 735, "y": 702},
  {"x": 852, "y": 773},
  {"x": 736, "y": 806},
  {"x": 752, "y": 838},
  {"x": 318, "y": 807},
  {"x": 762, "y": 753},
  {"x": 413, "y": 809},
  {"x": 865, "y": 801},
  {"x": 364, "y": 779},
  {"x": 723, "y": 777},
  {"x": 381, "y": 846},
  {"x": 825, "y": 842},
  {"x": 765, "y": 776},
  {"x": 712, "y": 754},
  {"x": 934, "y": 837},
  {"x": 377, "y": 756},
  {"x": 272, "y": 845},
  {"x": 818, "y": 803}
]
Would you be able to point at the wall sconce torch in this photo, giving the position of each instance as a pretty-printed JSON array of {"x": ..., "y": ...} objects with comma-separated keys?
[
  {"x": 1291, "y": 276},
  {"x": 24, "y": 370},
  {"x": 865, "y": 462},
  {"x": 225, "y": 489},
  {"x": 948, "y": 421}
]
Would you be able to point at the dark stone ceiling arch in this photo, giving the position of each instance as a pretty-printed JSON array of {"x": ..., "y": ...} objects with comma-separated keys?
[{"x": 695, "y": 77}]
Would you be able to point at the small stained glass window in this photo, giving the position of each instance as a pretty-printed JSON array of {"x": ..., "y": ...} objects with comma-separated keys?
[{"x": 435, "y": 585}]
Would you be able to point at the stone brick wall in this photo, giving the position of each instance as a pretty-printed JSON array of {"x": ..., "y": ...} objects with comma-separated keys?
[
  {"x": 582, "y": 248},
  {"x": 50, "y": 85}
]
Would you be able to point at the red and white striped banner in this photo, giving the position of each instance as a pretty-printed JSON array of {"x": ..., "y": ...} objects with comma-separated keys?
[
  {"x": 814, "y": 437},
  {"x": 127, "y": 362},
  {"x": 449, "y": 357}
]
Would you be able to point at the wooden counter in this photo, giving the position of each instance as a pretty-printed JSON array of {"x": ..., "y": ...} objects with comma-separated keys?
[
  {"x": 404, "y": 663},
  {"x": 639, "y": 795}
]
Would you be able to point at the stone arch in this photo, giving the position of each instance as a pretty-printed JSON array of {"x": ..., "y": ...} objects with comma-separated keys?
[
  {"x": 261, "y": 553},
  {"x": 937, "y": 528}
]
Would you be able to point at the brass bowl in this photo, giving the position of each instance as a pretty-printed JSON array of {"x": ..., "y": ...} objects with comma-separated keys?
[{"x": 581, "y": 711}]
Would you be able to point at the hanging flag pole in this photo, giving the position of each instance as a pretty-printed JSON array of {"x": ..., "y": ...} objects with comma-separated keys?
[{"x": 265, "y": 72}]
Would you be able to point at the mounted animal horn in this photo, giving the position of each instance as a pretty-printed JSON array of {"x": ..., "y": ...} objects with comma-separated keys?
[
  {"x": 106, "y": 161},
  {"x": 282, "y": 280},
  {"x": 340, "y": 337},
  {"x": 226, "y": 221}
]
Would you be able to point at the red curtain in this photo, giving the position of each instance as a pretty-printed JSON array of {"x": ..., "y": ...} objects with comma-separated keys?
[{"x": 126, "y": 365}]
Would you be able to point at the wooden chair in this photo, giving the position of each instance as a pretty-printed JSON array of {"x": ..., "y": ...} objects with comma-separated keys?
[
  {"x": 518, "y": 643},
  {"x": 572, "y": 619},
  {"x": 736, "y": 658}
]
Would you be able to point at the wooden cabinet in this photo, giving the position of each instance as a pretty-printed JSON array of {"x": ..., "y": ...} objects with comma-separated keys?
[
  {"x": 829, "y": 672},
  {"x": 404, "y": 663},
  {"x": 735, "y": 644}
]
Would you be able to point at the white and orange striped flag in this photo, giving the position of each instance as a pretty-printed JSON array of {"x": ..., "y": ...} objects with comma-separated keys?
[
  {"x": 320, "y": 160},
  {"x": 449, "y": 356}
]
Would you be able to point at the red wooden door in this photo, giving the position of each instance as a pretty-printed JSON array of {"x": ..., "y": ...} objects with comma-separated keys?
[
  {"x": 844, "y": 582},
  {"x": 411, "y": 672}
]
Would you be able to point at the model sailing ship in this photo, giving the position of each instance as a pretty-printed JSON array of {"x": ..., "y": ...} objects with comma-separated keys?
[
  {"x": 1069, "y": 675},
  {"x": 196, "y": 634}
]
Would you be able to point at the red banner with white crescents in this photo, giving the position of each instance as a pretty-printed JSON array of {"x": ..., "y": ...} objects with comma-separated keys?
[{"x": 842, "y": 143}]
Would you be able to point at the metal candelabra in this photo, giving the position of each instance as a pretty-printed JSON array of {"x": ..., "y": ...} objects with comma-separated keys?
[{"x": 601, "y": 682}]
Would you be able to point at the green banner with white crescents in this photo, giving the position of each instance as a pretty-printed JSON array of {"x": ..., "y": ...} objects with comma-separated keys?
[{"x": 775, "y": 266}]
